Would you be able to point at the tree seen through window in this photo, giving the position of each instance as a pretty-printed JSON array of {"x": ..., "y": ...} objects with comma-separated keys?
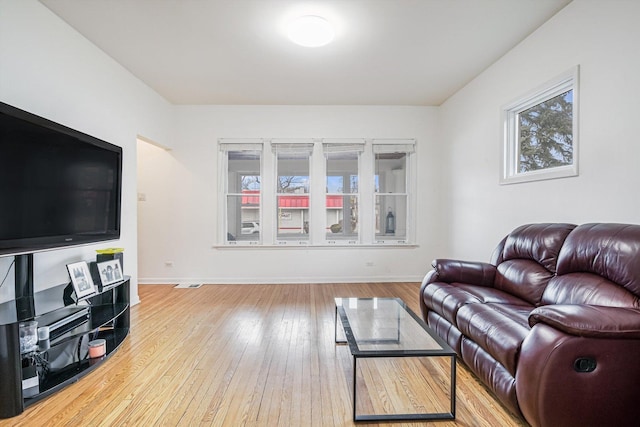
[{"x": 546, "y": 134}]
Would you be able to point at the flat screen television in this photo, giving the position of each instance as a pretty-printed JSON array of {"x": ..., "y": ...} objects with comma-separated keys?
[{"x": 58, "y": 187}]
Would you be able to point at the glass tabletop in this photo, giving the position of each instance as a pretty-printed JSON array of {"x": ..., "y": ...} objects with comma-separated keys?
[{"x": 386, "y": 325}]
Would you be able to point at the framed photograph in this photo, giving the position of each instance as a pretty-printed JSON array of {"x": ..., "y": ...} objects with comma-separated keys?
[
  {"x": 81, "y": 279},
  {"x": 110, "y": 272}
]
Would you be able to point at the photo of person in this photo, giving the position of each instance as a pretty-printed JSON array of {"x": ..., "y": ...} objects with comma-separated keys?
[
  {"x": 110, "y": 272},
  {"x": 81, "y": 279}
]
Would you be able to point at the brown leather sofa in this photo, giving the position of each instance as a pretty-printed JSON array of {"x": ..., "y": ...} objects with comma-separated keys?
[{"x": 552, "y": 324}]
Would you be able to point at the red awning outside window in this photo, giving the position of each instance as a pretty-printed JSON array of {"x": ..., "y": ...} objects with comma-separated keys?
[{"x": 289, "y": 201}]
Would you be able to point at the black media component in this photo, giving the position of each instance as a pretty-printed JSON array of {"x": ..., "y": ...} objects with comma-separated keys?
[
  {"x": 95, "y": 275},
  {"x": 30, "y": 383},
  {"x": 108, "y": 257}
]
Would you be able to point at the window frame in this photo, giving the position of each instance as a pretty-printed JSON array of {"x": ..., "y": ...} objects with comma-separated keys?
[
  {"x": 509, "y": 173},
  {"x": 408, "y": 147},
  {"x": 224, "y": 147},
  {"x": 356, "y": 147},
  {"x": 293, "y": 146},
  {"x": 317, "y": 193}
]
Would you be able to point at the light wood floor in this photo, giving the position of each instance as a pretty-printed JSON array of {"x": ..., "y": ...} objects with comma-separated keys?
[{"x": 234, "y": 355}]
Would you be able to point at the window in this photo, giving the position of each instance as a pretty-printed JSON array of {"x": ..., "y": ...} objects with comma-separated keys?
[
  {"x": 540, "y": 133},
  {"x": 342, "y": 199},
  {"x": 292, "y": 190},
  {"x": 242, "y": 189},
  {"x": 391, "y": 193},
  {"x": 316, "y": 192}
]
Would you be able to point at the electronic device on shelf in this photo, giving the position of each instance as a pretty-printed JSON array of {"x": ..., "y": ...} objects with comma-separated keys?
[{"x": 64, "y": 320}]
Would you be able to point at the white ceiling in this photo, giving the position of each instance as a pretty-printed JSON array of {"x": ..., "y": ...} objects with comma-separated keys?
[{"x": 386, "y": 52}]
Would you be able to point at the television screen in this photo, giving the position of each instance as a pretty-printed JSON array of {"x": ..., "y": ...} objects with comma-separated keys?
[{"x": 58, "y": 187}]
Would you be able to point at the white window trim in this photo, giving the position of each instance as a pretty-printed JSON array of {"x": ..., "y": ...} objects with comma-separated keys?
[
  {"x": 344, "y": 146},
  {"x": 510, "y": 144},
  {"x": 399, "y": 146},
  {"x": 225, "y": 145},
  {"x": 289, "y": 145}
]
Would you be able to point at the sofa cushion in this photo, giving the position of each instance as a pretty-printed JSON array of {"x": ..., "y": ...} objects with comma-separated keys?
[
  {"x": 537, "y": 242},
  {"x": 528, "y": 259},
  {"x": 607, "y": 250},
  {"x": 524, "y": 278},
  {"x": 498, "y": 328},
  {"x": 598, "y": 265},
  {"x": 447, "y": 298},
  {"x": 587, "y": 288}
]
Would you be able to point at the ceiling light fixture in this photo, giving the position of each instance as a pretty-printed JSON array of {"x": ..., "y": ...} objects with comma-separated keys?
[{"x": 311, "y": 31}]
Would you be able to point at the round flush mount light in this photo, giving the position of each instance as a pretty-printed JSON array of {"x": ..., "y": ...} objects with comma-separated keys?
[{"x": 311, "y": 31}]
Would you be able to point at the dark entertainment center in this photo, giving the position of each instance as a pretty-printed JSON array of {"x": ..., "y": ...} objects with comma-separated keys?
[
  {"x": 59, "y": 187},
  {"x": 64, "y": 358}
]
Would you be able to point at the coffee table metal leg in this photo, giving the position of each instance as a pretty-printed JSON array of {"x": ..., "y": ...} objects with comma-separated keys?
[
  {"x": 355, "y": 387},
  {"x": 335, "y": 324},
  {"x": 406, "y": 417}
]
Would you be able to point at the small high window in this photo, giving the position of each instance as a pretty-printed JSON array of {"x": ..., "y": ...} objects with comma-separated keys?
[{"x": 540, "y": 133}]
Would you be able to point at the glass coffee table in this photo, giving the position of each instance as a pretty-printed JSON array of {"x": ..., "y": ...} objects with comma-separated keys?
[{"x": 402, "y": 370}]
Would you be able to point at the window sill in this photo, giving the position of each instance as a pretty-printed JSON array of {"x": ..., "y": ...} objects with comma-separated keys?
[
  {"x": 544, "y": 174},
  {"x": 323, "y": 246}
]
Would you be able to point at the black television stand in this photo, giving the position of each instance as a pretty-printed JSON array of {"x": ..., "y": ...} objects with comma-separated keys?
[{"x": 62, "y": 359}]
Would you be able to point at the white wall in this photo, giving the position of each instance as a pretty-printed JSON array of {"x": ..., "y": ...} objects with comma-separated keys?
[
  {"x": 179, "y": 217},
  {"x": 602, "y": 37},
  {"x": 48, "y": 69}
]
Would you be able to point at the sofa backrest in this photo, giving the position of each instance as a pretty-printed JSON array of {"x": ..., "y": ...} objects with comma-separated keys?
[
  {"x": 526, "y": 259},
  {"x": 599, "y": 264}
]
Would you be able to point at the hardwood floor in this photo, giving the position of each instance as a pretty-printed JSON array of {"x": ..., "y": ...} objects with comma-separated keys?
[{"x": 235, "y": 355}]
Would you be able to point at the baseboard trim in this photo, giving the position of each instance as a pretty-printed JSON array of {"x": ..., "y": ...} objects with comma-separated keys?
[{"x": 274, "y": 280}]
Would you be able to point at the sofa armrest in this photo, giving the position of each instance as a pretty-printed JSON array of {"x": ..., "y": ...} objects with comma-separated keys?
[
  {"x": 590, "y": 320},
  {"x": 452, "y": 271},
  {"x": 564, "y": 379},
  {"x": 474, "y": 273}
]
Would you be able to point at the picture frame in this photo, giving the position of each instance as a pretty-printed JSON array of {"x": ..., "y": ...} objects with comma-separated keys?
[
  {"x": 81, "y": 279},
  {"x": 110, "y": 272}
]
